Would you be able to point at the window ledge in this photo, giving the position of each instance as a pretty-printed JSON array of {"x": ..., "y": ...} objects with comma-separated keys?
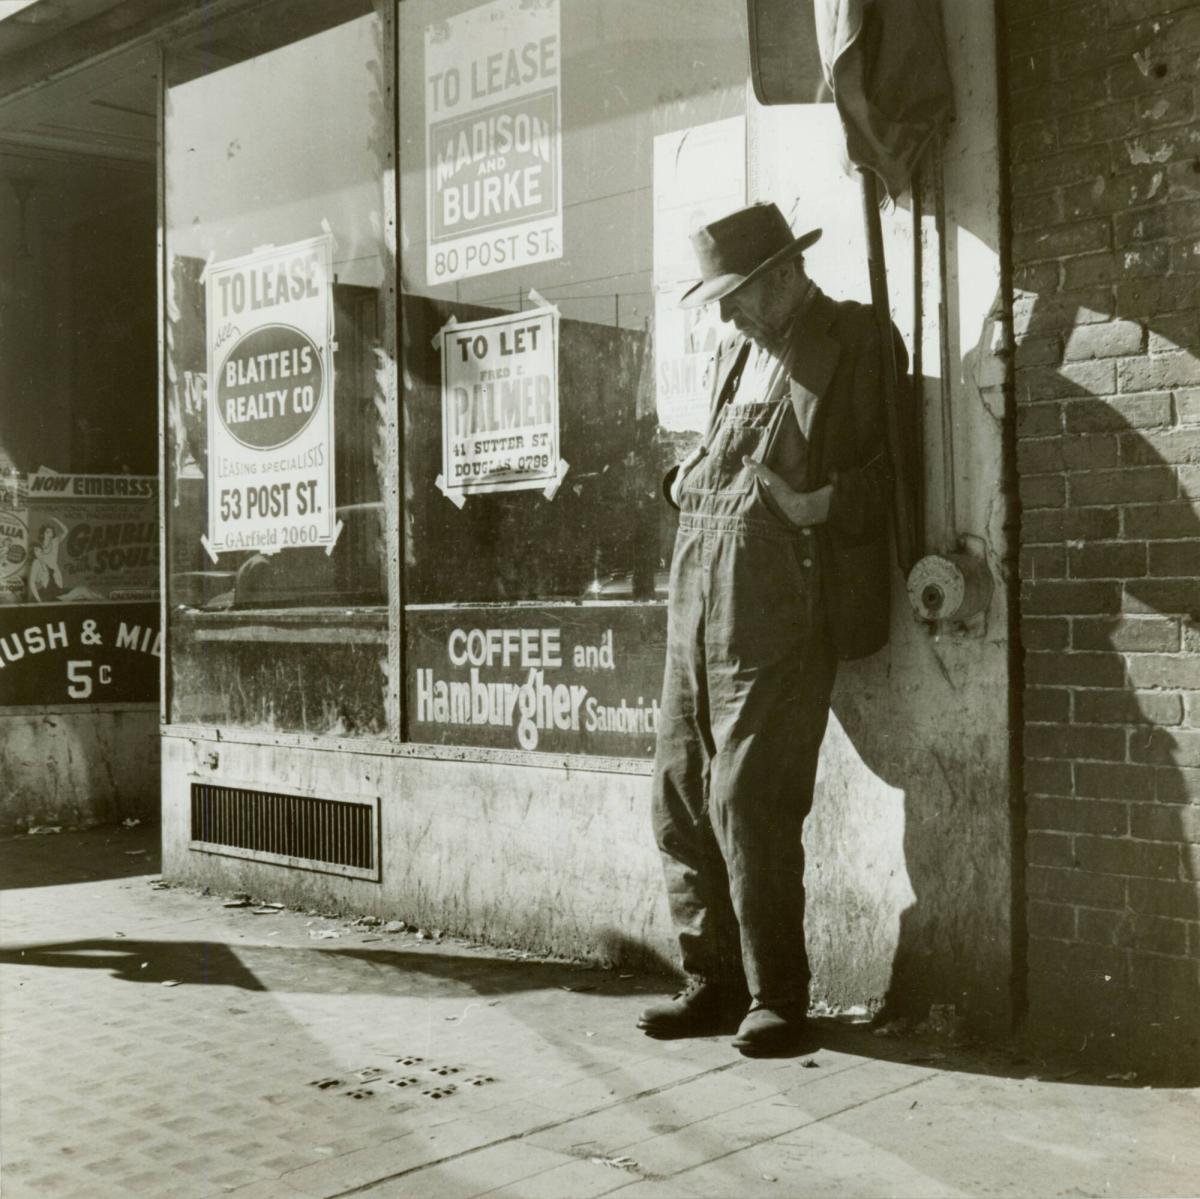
[{"x": 328, "y": 625}]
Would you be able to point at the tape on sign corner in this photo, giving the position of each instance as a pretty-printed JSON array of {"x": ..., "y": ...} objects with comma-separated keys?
[
  {"x": 555, "y": 483},
  {"x": 337, "y": 532},
  {"x": 454, "y": 496},
  {"x": 327, "y": 229},
  {"x": 437, "y": 337},
  {"x": 540, "y": 300},
  {"x": 208, "y": 548}
]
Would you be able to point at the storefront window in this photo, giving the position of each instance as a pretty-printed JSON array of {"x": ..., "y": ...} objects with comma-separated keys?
[
  {"x": 279, "y": 325},
  {"x": 553, "y": 156}
]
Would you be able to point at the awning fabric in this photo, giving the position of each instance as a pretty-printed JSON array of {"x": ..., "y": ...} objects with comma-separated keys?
[{"x": 885, "y": 61}]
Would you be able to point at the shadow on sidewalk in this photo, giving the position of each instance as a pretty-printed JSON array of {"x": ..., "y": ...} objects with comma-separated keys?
[
  {"x": 436, "y": 975},
  {"x": 404, "y": 974},
  {"x": 78, "y": 856}
]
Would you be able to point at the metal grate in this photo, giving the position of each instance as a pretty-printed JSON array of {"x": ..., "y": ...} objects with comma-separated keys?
[{"x": 330, "y": 835}]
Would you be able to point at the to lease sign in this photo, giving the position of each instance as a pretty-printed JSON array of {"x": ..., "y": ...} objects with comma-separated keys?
[
  {"x": 494, "y": 144},
  {"x": 270, "y": 422}
]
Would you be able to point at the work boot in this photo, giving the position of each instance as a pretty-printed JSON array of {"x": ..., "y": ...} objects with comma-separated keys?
[
  {"x": 774, "y": 1031},
  {"x": 701, "y": 1009}
]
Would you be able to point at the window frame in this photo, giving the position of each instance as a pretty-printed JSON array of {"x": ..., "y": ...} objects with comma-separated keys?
[
  {"x": 392, "y": 743},
  {"x": 308, "y": 623},
  {"x": 510, "y": 608}
]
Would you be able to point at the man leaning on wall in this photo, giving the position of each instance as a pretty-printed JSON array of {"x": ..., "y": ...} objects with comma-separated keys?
[{"x": 781, "y": 568}]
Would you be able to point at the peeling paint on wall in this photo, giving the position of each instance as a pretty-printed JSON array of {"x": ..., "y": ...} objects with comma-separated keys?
[{"x": 78, "y": 768}]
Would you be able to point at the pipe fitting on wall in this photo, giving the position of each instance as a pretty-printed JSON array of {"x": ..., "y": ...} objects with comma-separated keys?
[{"x": 950, "y": 587}]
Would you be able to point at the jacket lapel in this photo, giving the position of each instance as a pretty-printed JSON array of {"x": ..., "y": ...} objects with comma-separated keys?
[{"x": 814, "y": 358}]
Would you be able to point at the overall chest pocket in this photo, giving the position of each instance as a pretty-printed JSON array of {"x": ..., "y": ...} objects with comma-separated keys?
[{"x": 721, "y": 469}]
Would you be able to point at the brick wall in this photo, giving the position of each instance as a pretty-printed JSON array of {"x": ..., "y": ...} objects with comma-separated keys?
[{"x": 1104, "y": 109}]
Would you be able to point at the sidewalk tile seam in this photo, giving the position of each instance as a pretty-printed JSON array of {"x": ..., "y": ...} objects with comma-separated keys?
[
  {"x": 781, "y": 1138},
  {"x": 365, "y": 1188}
]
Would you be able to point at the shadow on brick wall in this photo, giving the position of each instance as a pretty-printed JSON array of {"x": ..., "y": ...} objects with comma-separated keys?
[{"x": 1109, "y": 435}]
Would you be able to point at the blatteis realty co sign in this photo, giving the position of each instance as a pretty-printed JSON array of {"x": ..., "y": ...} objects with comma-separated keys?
[{"x": 270, "y": 394}]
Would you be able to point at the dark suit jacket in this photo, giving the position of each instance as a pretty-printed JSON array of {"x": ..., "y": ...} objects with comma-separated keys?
[{"x": 836, "y": 369}]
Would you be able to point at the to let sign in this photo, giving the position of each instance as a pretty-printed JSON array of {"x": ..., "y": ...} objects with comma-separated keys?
[{"x": 500, "y": 426}]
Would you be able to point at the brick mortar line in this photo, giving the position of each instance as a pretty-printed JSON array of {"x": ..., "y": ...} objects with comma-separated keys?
[
  {"x": 1112, "y": 252},
  {"x": 1140, "y": 207},
  {"x": 1058, "y": 832}
]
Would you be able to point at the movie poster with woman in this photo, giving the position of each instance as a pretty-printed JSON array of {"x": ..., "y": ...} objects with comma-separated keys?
[{"x": 79, "y": 586}]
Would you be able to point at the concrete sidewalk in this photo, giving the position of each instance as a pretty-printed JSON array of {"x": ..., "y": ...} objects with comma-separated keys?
[{"x": 158, "y": 1043}]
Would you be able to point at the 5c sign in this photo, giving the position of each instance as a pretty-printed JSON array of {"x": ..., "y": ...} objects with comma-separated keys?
[{"x": 80, "y": 676}]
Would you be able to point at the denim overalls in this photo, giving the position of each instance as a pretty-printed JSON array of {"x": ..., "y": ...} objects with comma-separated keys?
[{"x": 745, "y": 701}]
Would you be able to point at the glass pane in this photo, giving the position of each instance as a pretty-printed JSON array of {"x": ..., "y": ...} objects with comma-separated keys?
[
  {"x": 279, "y": 276},
  {"x": 553, "y": 156}
]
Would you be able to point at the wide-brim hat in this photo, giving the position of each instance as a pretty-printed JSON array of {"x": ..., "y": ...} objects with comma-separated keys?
[{"x": 739, "y": 248}]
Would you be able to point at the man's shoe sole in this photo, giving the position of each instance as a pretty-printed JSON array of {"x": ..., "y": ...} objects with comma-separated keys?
[
  {"x": 676, "y": 1032},
  {"x": 784, "y": 1043},
  {"x": 781, "y": 1048}
]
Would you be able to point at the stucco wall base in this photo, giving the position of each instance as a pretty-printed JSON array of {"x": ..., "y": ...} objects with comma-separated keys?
[
  {"x": 78, "y": 768},
  {"x": 908, "y": 847},
  {"x": 552, "y": 860},
  {"x": 562, "y": 861}
]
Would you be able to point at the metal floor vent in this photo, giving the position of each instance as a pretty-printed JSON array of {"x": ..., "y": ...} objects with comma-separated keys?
[{"x": 334, "y": 836}]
